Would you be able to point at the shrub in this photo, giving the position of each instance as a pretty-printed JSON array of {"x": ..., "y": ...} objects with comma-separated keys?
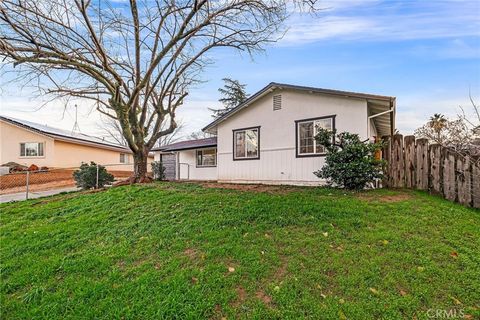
[
  {"x": 158, "y": 170},
  {"x": 350, "y": 163},
  {"x": 86, "y": 177}
]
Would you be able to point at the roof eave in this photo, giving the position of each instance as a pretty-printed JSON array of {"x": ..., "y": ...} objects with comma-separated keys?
[{"x": 274, "y": 85}]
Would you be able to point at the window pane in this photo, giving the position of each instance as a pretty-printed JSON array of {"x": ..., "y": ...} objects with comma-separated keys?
[
  {"x": 240, "y": 144},
  {"x": 324, "y": 124},
  {"x": 252, "y": 143},
  {"x": 207, "y": 157},
  {"x": 22, "y": 149},
  {"x": 40, "y": 149},
  {"x": 31, "y": 149},
  {"x": 306, "y": 137},
  {"x": 199, "y": 157}
]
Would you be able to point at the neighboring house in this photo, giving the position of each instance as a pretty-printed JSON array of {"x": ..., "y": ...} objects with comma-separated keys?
[
  {"x": 27, "y": 143},
  {"x": 270, "y": 137}
]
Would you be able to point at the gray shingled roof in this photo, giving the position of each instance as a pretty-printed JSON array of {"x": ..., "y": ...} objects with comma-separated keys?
[
  {"x": 274, "y": 85},
  {"x": 64, "y": 135},
  {"x": 189, "y": 144}
]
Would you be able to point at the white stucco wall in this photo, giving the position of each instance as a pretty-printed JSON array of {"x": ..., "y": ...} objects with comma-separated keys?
[
  {"x": 278, "y": 163},
  {"x": 187, "y": 167},
  {"x": 10, "y": 138},
  {"x": 57, "y": 154}
]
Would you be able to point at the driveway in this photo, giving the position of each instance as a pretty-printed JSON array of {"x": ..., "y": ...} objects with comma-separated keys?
[{"x": 20, "y": 196}]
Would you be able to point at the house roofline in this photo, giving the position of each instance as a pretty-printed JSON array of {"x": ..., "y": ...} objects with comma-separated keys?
[
  {"x": 59, "y": 137},
  {"x": 275, "y": 85}
]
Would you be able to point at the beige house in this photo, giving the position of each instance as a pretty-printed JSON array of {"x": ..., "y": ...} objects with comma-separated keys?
[
  {"x": 270, "y": 137},
  {"x": 27, "y": 143}
]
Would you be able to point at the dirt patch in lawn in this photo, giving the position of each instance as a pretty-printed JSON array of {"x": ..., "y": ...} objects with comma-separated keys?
[
  {"x": 190, "y": 253},
  {"x": 385, "y": 198},
  {"x": 250, "y": 187},
  {"x": 282, "y": 270},
  {"x": 241, "y": 297},
  {"x": 265, "y": 298}
]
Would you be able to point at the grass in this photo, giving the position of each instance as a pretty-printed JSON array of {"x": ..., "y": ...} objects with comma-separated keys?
[{"x": 185, "y": 251}]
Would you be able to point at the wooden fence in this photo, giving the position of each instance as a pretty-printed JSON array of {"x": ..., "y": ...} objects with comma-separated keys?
[{"x": 414, "y": 164}]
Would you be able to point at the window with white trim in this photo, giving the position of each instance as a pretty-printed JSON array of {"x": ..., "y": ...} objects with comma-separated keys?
[
  {"x": 32, "y": 149},
  {"x": 306, "y": 132},
  {"x": 246, "y": 144},
  {"x": 123, "y": 158},
  {"x": 207, "y": 157}
]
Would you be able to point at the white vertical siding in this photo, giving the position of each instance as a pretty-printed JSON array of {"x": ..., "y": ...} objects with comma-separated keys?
[{"x": 278, "y": 163}]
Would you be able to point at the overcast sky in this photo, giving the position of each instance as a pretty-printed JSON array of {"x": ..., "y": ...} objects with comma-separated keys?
[{"x": 426, "y": 53}]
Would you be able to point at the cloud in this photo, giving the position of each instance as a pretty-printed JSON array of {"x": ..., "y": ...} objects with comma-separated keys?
[
  {"x": 388, "y": 21},
  {"x": 414, "y": 110}
]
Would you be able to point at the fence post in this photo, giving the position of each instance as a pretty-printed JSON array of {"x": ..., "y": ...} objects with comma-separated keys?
[
  {"x": 449, "y": 175},
  {"x": 464, "y": 180},
  {"x": 387, "y": 155},
  {"x": 28, "y": 185},
  {"x": 96, "y": 183},
  {"x": 476, "y": 185},
  {"x": 436, "y": 172},
  {"x": 398, "y": 162},
  {"x": 410, "y": 163},
  {"x": 422, "y": 167}
]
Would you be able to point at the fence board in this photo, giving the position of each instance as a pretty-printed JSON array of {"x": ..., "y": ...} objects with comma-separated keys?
[
  {"x": 476, "y": 186},
  {"x": 410, "y": 161},
  {"x": 421, "y": 166},
  {"x": 464, "y": 178},
  {"x": 386, "y": 155},
  {"x": 449, "y": 183},
  {"x": 436, "y": 161},
  {"x": 397, "y": 162},
  {"x": 417, "y": 165}
]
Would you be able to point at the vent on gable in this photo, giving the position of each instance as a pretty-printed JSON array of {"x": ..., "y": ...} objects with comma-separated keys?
[{"x": 277, "y": 102}]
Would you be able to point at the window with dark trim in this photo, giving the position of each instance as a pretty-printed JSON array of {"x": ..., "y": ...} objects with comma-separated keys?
[
  {"x": 306, "y": 130},
  {"x": 246, "y": 143},
  {"x": 32, "y": 149},
  {"x": 207, "y": 157}
]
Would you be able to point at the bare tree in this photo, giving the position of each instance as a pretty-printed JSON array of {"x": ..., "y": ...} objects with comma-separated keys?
[
  {"x": 113, "y": 131},
  {"x": 135, "y": 60}
]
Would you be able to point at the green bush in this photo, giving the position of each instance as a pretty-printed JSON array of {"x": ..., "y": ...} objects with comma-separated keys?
[
  {"x": 350, "y": 163},
  {"x": 158, "y": 170},
  {"x": 86, "y": 177}
]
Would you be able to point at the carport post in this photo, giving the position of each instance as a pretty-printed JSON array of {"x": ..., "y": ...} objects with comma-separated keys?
[
  {"x": 28, "y": 183},
  {"x": 96, "y": 184}
]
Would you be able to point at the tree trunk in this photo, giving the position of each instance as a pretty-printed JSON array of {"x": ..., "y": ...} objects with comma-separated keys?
[{"x": 140, "y": 167}]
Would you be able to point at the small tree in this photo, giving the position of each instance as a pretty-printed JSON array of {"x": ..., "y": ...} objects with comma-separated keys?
[
  {"x": 350, "y": 163},
  {"x": 86, "y": 177},
  {"x": 158, "y": 170}
]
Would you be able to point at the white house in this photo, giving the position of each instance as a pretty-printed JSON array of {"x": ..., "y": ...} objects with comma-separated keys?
[{"x": 270, "y": 137}]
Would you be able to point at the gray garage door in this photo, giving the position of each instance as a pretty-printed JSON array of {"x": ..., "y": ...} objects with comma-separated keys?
[{"x": 168, "y": 161}]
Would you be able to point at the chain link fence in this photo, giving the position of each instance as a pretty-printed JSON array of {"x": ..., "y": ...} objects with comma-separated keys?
[{"x": 25, "y": 184}]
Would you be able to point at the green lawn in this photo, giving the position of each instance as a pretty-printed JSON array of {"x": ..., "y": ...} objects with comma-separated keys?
[{"x": 172, "y": 250}]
